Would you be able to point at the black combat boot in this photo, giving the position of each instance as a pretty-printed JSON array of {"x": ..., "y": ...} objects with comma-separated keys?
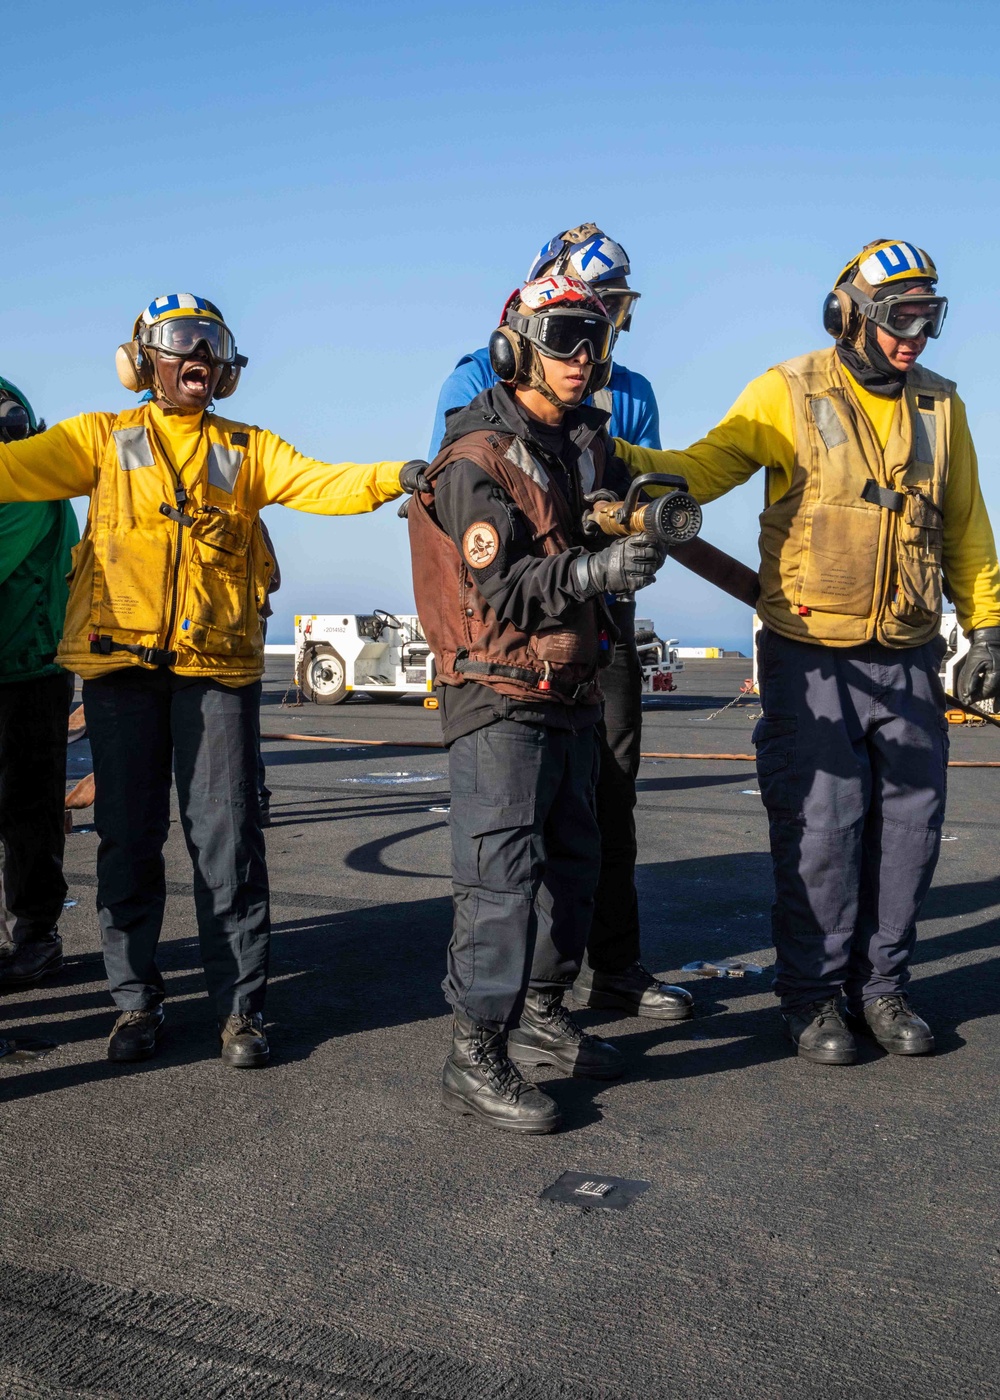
[
  {"x": 244, "y": 1044},
  {"x": 634, "y": 990},
  {"x": 548, "y": 1035},
  {"x": 896, "y": 1026},
  {"x": 479, "y": 1079},
  {"x": 821, "y": 1033},
  {"x": 135, "y": 1035},
  {"x": 26, "y": 962}
]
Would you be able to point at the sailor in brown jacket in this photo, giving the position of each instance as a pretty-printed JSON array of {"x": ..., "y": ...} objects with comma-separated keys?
[{"x": 511, "y": 599}]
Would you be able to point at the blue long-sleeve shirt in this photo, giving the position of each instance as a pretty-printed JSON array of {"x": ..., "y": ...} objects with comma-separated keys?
[{"x": 634, "y": 414}]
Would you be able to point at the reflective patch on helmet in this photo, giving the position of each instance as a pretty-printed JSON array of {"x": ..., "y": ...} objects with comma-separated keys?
[
  {"x": 924, "y": 437},
  {"x": 480, "y": 544},
  {"x": 598, "y": 259},
  {"x": 831, "y": 430},
  {"x": 549, "y": 290},
  {"x": 587, "y": 470},
  {"x": 223, "y": 466},
  {"x": 132, "y": 446},
  {"x": 523, "y": 460},
  {"x": 893, "y": 261},
  {"x": 178, "y": 301}
]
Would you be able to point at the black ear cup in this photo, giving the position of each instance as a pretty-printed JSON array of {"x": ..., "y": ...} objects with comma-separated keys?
[
  {"x": 838, "y": 314},
  {"x": 230, "y": 378},
  {"x": 506, "y": 354}
]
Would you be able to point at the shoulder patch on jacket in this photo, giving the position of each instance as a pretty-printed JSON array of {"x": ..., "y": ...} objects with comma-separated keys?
[
  {"x": 132, "y": 446},
  {"x": 223, "y": 466},
  {"x": 522, "y": 458},
  {"x": 480, "y": 544},
  {"x": 587, "y": 470},
  {"x": 240, "y": 439}
]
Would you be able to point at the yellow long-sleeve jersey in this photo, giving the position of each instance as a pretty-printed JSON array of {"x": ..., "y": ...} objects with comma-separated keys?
[
  {"x": 173, "y": 567},
  {"x": 759, "y": 431}
]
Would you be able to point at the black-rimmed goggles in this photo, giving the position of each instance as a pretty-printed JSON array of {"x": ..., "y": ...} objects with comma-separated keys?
[
  {"x": 562, "y": 333},
  {"x": 905, "y": 316},
  {"x": 181, "y": 336},
  {"x": 15, "y": 422},
  {"x": 620, "y": 302}
]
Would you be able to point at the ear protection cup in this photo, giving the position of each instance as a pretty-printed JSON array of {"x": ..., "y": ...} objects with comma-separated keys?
[
  {"x": 230, "y": 377},
  {"x": 134, "y": 369},
  {"x": 507, "y": 357},
  {"x": 839, "y": 312}
]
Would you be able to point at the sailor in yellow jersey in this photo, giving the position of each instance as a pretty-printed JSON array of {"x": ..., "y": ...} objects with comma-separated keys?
[
  {"x": 163, "y": 625},
  {"x": 872, "y": 498}
]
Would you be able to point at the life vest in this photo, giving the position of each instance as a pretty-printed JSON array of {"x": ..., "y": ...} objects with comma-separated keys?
[
  {"x": 170, "y": 573},
  {"x": 853, "y": 550},
  {"x": 558, "y": 662}
]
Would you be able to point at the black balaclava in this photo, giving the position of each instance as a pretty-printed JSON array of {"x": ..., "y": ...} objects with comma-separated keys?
[{"x": 863, "y": 358}]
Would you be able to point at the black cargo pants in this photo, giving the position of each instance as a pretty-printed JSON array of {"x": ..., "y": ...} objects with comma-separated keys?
[
  {"x": 852, "y": 754},
  {"x": 613, "y": 944},
  {"x": 33, "y": 721},
  {"x": 525, "y": 858},
  {"x": 139, "y": 722}
]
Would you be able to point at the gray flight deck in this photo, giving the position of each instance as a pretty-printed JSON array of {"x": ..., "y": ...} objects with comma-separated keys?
[{"x": 321, "y": 1228}]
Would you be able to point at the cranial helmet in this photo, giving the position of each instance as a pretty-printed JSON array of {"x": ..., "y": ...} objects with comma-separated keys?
[
  {"x": 870, "y": 287},
  {"x": 17, "y": 417},
  {"x": 177, "y": 325},
  {"x": 589, "y": 254},
  {"x": 552, "y": 316}
]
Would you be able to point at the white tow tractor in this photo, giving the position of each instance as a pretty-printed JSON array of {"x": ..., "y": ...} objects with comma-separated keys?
[
  {"x": 377, "y": 652},
  {"x": 382, "y": 654}
]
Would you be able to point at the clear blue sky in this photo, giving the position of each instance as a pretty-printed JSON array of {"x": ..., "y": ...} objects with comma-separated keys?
[{"x": 359, "y": 186}]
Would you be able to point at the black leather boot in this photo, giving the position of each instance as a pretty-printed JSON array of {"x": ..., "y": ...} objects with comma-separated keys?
[
  {"x": 821, "y": 1033},
  {"x": 634, "y": 990},
  {"x": 244, "y": 1044},
  {"x": 21, "y": 964},
  {"x": 548, "y": 1035},
  {"x": 135, "y": 1035},
  {"x": 479, "y": 1079},
  {"x": 896, "y": 1026}
]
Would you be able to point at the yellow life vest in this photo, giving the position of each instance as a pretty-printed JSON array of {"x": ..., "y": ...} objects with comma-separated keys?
[
  {"x": 853, "y": 550},
  {"x": 171, "y": 571}
]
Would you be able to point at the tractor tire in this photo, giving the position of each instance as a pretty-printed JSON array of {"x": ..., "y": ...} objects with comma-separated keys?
[{"x": 324, "y": 676}]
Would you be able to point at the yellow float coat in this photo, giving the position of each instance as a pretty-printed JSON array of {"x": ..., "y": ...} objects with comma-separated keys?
[
  {"x": 761, "y": 430},
  {"x": 142, "y": 578}
]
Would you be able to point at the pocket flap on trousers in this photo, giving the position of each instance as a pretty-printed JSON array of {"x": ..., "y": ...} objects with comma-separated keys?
[{"x": 478, "y": 815}]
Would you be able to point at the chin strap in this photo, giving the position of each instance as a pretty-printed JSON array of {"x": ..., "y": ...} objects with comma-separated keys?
[{"x": 536, "y": 380}]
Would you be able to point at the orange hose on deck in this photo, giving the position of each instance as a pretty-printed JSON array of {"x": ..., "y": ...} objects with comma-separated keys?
[{"x": 436, "y": 744}]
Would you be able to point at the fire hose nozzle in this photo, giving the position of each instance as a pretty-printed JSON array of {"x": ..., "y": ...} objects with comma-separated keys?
[{"x": 673, "y": 519}]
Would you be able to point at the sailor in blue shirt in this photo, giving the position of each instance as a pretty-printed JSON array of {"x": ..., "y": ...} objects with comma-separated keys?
[{"x": 612, "y": 975}]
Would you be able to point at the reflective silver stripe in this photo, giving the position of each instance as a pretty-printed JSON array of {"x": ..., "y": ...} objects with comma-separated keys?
[
  {"x": 924, "y": 437},
  {"x": 603, "y": 400},
  {"x": 831, "y": 430},
  {"x": 587, "y": 470},
  {"x": 223, "y": 466},
  {"x": 522, "y": 458},
  {"x": 132, "y": 446}
]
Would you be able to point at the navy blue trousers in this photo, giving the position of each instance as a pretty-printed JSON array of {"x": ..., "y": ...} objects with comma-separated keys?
[{"x": 852, "y": 754}]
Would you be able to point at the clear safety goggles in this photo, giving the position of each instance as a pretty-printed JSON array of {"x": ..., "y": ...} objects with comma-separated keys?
[
  {"x": 562, "y": 334},
  {"x": 14, "y": 421},
  {"x": 619, "y": 304},
  {"x": 906, "y": 316},
  {"x": 181, "y": 335}
]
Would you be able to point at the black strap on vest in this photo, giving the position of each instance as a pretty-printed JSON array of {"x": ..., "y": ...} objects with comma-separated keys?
[
  {"x": 882, "y": 496},
  {"x": 153, "y": 656},
  {"x": 465, "y": 667}
]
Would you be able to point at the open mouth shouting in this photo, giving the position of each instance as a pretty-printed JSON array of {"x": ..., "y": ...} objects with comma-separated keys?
[
  {"x": 195, "y": 377},
  {"x": 188, "y": 382}
]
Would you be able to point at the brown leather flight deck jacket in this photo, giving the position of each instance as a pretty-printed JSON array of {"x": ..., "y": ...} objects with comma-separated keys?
[{"x": 556, "y": 662}]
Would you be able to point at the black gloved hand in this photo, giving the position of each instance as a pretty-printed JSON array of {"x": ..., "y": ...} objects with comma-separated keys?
[
  {"x": 411, "y": 475},
  {"x": 980, "y": 675},
  {"x": 625, "y": 566}
]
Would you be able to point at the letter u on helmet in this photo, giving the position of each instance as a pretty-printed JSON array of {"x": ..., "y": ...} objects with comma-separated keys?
[
  {"x": 562, "y": 314},
  {"x": 176, "y": 325},
  {"x": 876, "y": 286}
]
